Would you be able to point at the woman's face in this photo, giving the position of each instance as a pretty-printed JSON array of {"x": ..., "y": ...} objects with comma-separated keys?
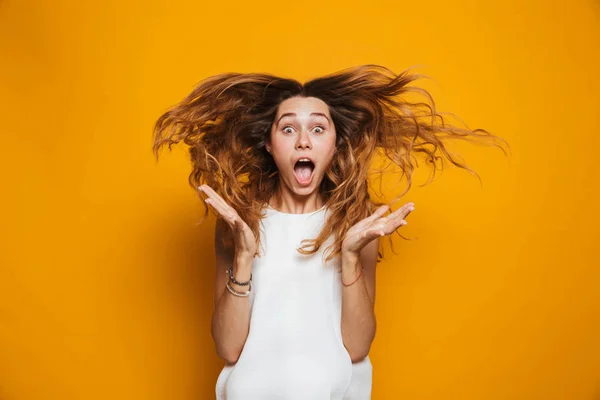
[{"x": 302, "y": 129}]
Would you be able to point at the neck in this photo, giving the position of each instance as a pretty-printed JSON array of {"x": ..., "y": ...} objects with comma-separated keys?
[{"x": 288, "y": 202}]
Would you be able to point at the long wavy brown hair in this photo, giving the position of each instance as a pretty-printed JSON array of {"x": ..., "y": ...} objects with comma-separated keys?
[{"x": 226, "y": 121}]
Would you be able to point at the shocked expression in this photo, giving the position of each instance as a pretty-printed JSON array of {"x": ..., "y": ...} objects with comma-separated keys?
[{"x": 302, "y": 142}]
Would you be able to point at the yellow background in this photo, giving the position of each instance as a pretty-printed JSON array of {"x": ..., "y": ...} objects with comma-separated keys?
[{"x": 106, "y": 281}]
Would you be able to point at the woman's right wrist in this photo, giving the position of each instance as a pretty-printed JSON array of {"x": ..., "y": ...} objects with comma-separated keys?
[
  {"x": 243, "y": 259},
  {"x": 242, "y": 270}
]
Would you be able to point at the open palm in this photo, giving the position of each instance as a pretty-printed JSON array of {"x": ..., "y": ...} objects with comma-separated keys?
[
  {"x": 244, "y": 239},
  {"x": 359, "y": 235}
]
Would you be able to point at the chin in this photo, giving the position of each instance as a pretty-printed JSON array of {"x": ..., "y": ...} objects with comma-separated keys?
[{"x": 304, "y": 190}]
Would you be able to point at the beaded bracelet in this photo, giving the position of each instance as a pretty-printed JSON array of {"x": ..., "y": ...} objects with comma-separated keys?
[
  {"x": 354, "y": 281},
  {"x": 236, "y": 293},
  {"x": 232, "y": 279}
]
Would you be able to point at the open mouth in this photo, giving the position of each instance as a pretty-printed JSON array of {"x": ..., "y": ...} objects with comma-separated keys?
[{"x": 303, "y": 170}]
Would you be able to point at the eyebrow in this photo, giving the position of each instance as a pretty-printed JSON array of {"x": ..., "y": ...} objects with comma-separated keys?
[{"x": 294, "y": 114}]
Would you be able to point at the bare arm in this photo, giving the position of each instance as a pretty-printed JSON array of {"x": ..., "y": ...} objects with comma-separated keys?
[
  {"x": 359, "y": 252},
  {"x": 231, "y": 315},
  {"x": 358, "y": 301}
]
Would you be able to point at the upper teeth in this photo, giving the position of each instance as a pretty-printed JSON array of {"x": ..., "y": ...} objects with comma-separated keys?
[{"x": 304, "y": 159}]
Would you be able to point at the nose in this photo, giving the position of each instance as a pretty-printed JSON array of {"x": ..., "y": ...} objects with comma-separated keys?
[{"x": 303, "y": 141}]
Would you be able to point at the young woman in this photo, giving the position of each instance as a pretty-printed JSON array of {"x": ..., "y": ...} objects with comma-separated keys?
[{"x": 285, "y": 167}]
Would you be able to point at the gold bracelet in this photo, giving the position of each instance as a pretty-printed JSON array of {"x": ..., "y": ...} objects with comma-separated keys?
[{"x": 236, "y": 293}]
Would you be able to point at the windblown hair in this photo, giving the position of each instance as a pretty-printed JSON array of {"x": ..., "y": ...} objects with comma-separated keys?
[{"x": 226, "y": 121}]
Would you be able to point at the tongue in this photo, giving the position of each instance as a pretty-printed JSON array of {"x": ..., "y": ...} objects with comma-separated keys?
[{"x": 303, "y": 172}]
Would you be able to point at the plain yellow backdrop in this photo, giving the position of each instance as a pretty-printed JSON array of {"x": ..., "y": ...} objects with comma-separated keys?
[{"x": 106, "y": 280}]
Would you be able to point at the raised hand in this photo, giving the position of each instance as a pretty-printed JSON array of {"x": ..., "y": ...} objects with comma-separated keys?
[
  {"x": 359, "y": 235},
  {"x": 244, "y": 239}
]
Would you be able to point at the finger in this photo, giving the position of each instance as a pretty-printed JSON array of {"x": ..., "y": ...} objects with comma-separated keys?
[
  {"x": 215, "y": 198},
  {"x": 204, "y": 191},
  {"x": 212, "y": 194},
  {"x": 376, "y": 215},
  {"x": 391, "y": 225},
  {"x": 405, "y": 209},
  {"x": 224, "y": 209},
  {"x": 401, "y": 215},
  {"x": 401, "y": 212},
  {"x": 398, "y": 223},
  {"x": 379, "y": 212},
  {"x": 218, "y": 207},
  {"x": 379, "y": 229},
  {"x": 373, "y": 233},
  {"x": 379, "y": 232},
  {"x": 406, "y": 212},
  {"x": 224, "y": 212}
]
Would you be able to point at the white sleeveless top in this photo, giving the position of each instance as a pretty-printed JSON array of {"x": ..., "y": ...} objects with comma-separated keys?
[{"x": 294, "y": 348}]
